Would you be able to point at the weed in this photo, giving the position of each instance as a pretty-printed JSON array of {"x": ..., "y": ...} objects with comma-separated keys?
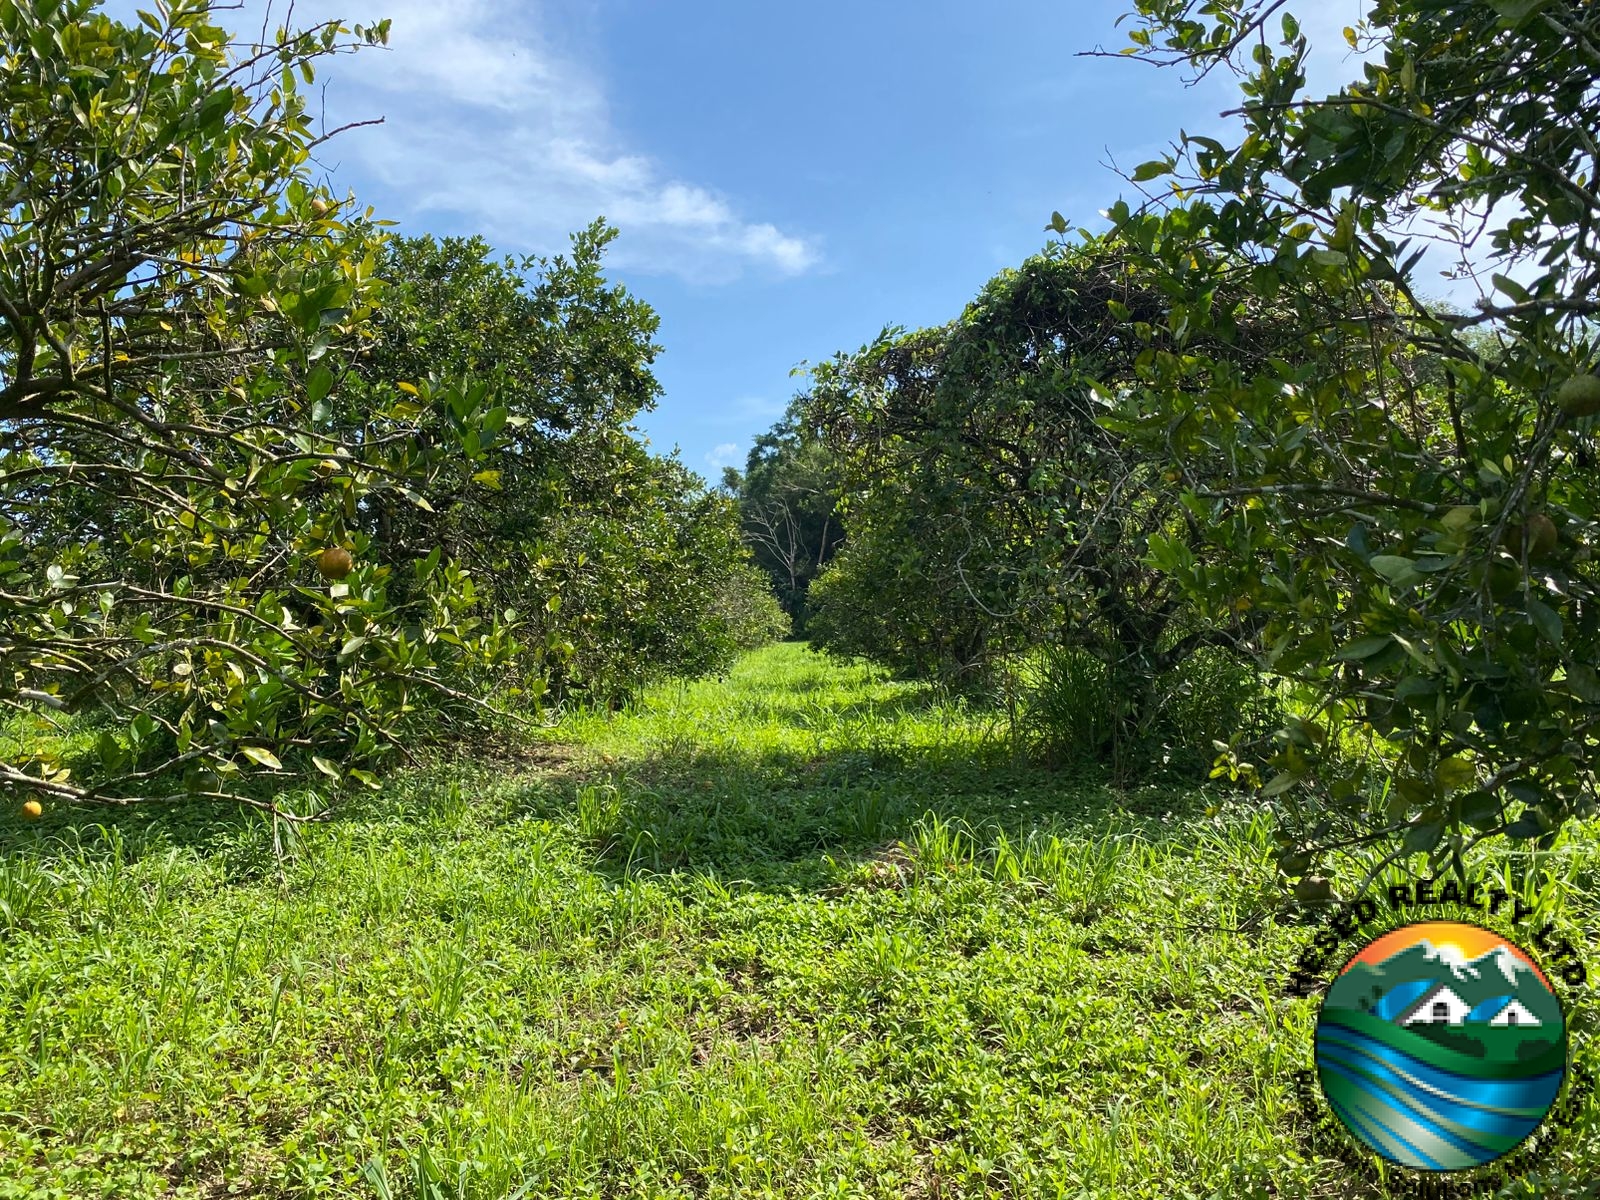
[{"x": 800, "y": 932}]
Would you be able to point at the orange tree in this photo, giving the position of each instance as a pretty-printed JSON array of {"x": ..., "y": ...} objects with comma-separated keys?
[
  {"x": 614, "y": 557},
  {"x": 181, "y": 314},
  {"x": 991, "y": 513},
  {"x": 1405, "y": 496}
]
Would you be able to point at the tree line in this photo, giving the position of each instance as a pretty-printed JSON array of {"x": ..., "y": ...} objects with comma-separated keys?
[
  {"x": 283, "y": 497},
  {"x": 1221, "y": 482}
]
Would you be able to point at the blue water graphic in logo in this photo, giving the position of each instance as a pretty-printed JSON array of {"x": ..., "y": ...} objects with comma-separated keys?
[{"x": 1441, "y": 1046}]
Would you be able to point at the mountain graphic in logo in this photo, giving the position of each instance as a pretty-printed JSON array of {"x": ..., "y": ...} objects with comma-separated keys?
[{"x": 1441, "y": 1046}]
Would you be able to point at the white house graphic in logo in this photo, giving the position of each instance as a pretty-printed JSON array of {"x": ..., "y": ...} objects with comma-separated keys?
[{"x": 1441, "y": 1006}]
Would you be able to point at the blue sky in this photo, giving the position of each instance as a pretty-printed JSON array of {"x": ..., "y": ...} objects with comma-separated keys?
[{"x": 787, "y": 179}]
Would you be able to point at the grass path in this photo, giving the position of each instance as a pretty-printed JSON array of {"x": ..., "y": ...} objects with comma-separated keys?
[{"x": 801, "y": 932}]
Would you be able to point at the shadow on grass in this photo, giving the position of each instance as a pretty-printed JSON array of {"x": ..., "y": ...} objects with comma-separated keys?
[
  {"x": 248, "y": 842},
  {"x": 772, "y": 818},
  {"x": 783, "y": 820}
]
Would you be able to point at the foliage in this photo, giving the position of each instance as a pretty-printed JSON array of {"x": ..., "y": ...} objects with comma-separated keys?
[
  {"x": 567, "y": 356},
  {"x": 1418, "y": 544},
  {"x": 636, "y": 576},
  {"x": 748, "y": 609},
  {"x": 887, "y": 596},
  {"x": 991, "y": 513},
  {"x": 789, "y": 509},
  {"x": 1070, "y": 710},
  {"x": 612, "y": 558},
  {"x": 179, "y": 307}
]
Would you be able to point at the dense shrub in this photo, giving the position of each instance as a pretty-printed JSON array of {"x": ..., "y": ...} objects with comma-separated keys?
[
  {"x": 633, "y": 580},
  {"x": 746, "y": 607},
  {"x": 1072, "y": 710}
]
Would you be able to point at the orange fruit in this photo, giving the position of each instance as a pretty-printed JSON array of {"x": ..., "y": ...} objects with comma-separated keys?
[
  {"x": 335, "y": 562},
  {"x": 32, "y": 810}
]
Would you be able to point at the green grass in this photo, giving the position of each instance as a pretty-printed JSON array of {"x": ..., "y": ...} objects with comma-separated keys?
[{"x": 800, "y": 932}]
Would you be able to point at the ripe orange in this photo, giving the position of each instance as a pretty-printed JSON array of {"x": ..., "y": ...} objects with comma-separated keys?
[
  {"x": 32, "y": 810},
  {"x": 335, "y": 562}
]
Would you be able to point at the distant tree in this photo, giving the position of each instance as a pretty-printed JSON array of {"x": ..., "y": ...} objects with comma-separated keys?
[{"x": 789, "y": 510}]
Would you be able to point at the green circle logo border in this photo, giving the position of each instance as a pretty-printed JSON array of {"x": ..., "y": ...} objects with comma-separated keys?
[{"x": 1392, "y": 1099}]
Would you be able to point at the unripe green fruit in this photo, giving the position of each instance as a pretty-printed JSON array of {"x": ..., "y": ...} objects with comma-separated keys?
[
  {"x": 1579, "y": 396},
  {"x": 1538, "y": 533},
  {"x": 335, "y": 562},
  {"x": 1504, "y": 579},
  {"x": 1313, "y": 889}
]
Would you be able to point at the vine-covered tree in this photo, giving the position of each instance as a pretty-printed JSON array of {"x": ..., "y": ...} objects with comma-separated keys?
[{"x": 990, "y": 513}]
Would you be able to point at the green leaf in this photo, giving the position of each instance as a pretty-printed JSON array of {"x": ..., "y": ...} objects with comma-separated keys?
[
  {"x": 1397, "y": 569},
  {"x": 1511, "y": 288},
  {"x": 1364, "y": 647},
  {"x": 1481, "y": 810},
  {"x": 1423, "y": 837},
  {"x": 1585, "y": 683},
  {"x": 319, "y": 384},
  {"x": 1514, "y": 12},
  {"x": 1153, "y": 169},
  {"x": 1546, "y": 620},
  {"x": 326, "y": 767},
  {"x": 1528, "y": 825},
  {"x": 1455, "y": 773},
  {"x": 261, "y": 755},
  {"x": 1279, "y": 784}
]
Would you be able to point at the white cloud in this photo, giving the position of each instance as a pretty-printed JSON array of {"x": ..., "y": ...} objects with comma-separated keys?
[
  {"x": 724, "y": 455},
  {"x": 489, "y": 124}
]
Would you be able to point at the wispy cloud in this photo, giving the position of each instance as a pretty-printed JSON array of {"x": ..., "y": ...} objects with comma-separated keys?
[
  {"x": 492, "y": 126},
  {"x": 724, "y": 455},
  {"x": 760, "y": 406}
]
